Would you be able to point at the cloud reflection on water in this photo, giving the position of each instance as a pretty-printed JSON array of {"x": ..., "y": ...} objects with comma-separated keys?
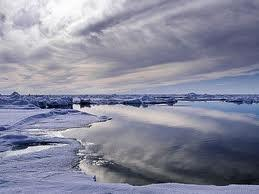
[{"x": 177, "y": 144}]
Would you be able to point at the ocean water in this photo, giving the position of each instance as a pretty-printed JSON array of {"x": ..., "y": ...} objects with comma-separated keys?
[{"x": 191, "y": 142}]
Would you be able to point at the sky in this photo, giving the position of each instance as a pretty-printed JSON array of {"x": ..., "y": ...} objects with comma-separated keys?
[{"x": 129, "y": 46}]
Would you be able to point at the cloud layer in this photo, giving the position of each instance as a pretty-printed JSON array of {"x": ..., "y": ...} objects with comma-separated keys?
[{"x": 109, "y": 46}]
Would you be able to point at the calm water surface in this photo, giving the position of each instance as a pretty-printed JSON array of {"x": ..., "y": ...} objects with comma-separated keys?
[{"x": 191, "y": 142}]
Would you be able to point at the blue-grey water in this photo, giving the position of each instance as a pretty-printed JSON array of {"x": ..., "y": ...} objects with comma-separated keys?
[{"x": 191, "y": 142}]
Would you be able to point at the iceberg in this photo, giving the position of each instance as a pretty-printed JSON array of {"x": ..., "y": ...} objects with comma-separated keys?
[
  {"x": 133, "y": 102},
  {"x": 31, "y": 102}
]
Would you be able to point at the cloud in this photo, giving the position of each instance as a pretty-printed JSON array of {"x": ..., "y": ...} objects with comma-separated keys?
[
  {"x": 2, "y": 21},
  {"x": 189, "y": 137},
  {"x": 123, "y": 45},
  {"x": 26, "y": 18}
]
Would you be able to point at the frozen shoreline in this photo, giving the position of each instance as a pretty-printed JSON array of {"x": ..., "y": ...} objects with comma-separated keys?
[{"x": 34, "y": 161}]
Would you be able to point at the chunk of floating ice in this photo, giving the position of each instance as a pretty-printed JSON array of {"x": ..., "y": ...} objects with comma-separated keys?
[
  {"x": 104, "y": 118},
  {"x": 29, "y": 150}
]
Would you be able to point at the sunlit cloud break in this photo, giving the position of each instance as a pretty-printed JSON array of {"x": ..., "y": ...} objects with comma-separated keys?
[{"x": 125, "y": 46}]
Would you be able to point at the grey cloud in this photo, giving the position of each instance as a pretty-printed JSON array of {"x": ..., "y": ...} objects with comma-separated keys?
[
  {"x": 2, "y": 17},
  {"x": 223, "y": 30},
  {"x": 134, "y": 8},
  {"x": 26, "y": 18},
  {"x": 121, "y": 42},
  {"x": 28, "y": 15},
  {"x": 6, "y": 68},
  {"x": 10, "y": 57},
  {"x": 2, "y": 21}
]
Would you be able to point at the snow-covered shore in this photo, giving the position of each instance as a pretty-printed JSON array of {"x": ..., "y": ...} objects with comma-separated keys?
[{"x": 34, "y": 158}]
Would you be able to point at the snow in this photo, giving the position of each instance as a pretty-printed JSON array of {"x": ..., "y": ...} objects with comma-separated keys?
[
  {"x": 16, "y": 100},
  {"x": 27, "y": 150},
  {"x": 133, "y": 102},
  {"x": 171, "y": 99},
  {"x": 35, "y": 158}
]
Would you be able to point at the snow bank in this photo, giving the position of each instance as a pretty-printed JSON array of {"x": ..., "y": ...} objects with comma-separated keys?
[
  {"x": 16, "y": 101},
  {"x": 170, "y": 99},
  {"x": 130, "y": 100},
  {"x": 243, "y": 99}
]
